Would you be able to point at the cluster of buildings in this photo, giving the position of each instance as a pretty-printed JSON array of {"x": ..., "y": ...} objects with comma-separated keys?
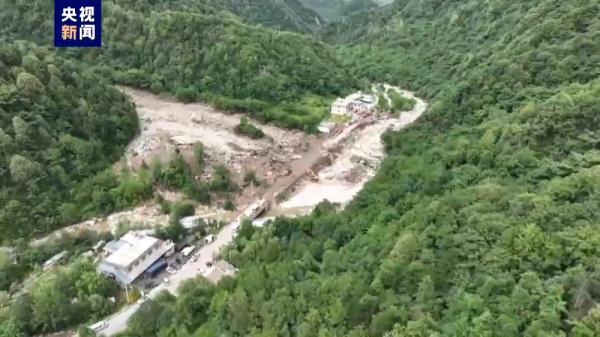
[
  {"x": 138, "y": 253},
  {"x": 354, "y": 105}
]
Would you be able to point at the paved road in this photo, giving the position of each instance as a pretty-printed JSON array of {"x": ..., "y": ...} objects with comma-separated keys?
[{"x": 118, "y": 321}]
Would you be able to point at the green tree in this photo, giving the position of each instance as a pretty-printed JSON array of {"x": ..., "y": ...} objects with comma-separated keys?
[
  {"x": 10, "y": 328},
  {"x": 30, "y": 85},
  {"x": 199, "y": 155},
  {"x": 22, "y": 169},
  {"x": 241, "y": 319}
]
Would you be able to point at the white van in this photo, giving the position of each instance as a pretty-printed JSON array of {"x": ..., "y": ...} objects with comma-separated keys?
[
  {"x": 187, "y": 251},
  {"x": 98, "y": 326}
]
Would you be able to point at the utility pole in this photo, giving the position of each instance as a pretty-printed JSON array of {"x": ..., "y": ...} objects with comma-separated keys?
[{"x": 126, "y": 293}]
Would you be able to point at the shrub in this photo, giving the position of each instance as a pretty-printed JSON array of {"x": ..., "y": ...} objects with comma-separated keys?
[{"x": 248, "y": 129}]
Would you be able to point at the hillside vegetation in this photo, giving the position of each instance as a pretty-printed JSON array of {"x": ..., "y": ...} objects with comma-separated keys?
[
  {"x": 59, "y": 126},
  {"x": 287, "y": 14},
  {"x": 482, "y": 221},
  {"x": 280, "y": 14},
  {"x": 484, "y": 218},
  {"x": 198, "y": 53},
  {"x": 221, "y": 60},
  {"x": 339, "y": 10}
]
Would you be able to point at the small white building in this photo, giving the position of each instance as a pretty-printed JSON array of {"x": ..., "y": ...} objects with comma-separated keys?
[
  {"x": 339, "y": 107},
  {"x": 353, "y": 104},
  {"x": 131, "y": 255}
]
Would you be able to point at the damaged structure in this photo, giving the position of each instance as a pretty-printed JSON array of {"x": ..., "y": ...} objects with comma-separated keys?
[{"x": 357, "y": 103}]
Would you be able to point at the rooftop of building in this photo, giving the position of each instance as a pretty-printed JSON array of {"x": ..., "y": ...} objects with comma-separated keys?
[
  {"x": 129, "y": 248},
  {"x": 355, "y": 98}
]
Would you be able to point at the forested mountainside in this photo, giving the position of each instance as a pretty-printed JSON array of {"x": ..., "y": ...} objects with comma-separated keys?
[
  {"x": 338, "y": 10},
  {"x": 203, "y": 55},
  {"x": 59, "y": 125},
  {"x": 430, "y": 44},
  {"x": 482, "y": 221},
  {"x": 199, "y": 53},
  {"x": 281, "y": 14},
  {"x": 286, "y": 14},
  {"x": 210, "y": 56}
]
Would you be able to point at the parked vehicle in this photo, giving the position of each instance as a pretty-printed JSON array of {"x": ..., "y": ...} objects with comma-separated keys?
[
  {"x": 254, "y": 210},
  {"x": 143, "y": 299},
  {"x": 99, "y": 326},
  {"x": 187, "y": 251},
  {"x": 236, "y": 225},
  {"x": 155, "y": 268},
  {"x": 167, "y": 281},
  {"x": 149, "y": 285},
  {"x": 171, "y": 270}
]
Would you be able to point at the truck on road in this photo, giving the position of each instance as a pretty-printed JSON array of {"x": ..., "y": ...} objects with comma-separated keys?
[{"x": 255, "y": 209}]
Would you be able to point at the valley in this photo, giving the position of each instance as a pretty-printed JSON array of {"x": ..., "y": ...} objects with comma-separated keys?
[
  {"x": 343, "y": 162},
  {"x": 431, "y": 168}
]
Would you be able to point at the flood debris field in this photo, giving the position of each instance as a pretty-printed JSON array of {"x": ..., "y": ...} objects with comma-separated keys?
[
  {"x": 167, "y": 124},
  {"x": 356, "y": 158},
  {"x": 296, "y": 170}
]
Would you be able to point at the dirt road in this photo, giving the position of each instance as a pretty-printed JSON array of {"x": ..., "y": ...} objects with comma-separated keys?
[{"x": 357, "y": 162}]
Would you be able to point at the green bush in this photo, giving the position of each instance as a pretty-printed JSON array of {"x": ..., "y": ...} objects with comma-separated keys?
[
  {"x": 180, "y": 209},
  {"x": 245, "y": 128},
  {"x": 229, "y": 205},
  {"x": 61, "y": 128},
  {"x": 399, "y": 102},
  {"x": 186, "y": 95},
  {"x": 221, "y": 181}
]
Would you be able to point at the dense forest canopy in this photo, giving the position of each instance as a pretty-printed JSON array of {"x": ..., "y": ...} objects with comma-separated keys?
[
  {"x": 287, "y": 14},
  {"x": 192, "y": 50},
  {"x": 203, "y": 54},
  {"x": 339, "y": 10},
  {"x": 59, "y": 125},
  {"x": 482, "y": 221}
]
